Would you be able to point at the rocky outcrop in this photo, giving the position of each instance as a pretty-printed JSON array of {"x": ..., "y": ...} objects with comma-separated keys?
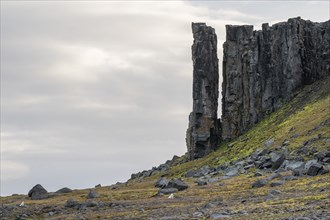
[
  {"x": 262, "y": 69},
  {"x": 204, "y": 128}
]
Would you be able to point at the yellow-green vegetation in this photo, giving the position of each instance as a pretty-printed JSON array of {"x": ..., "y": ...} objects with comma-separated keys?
[{"x": 304, "y": 118}]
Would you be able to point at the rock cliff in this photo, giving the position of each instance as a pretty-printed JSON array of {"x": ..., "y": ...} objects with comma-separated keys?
[
  {"x": 261, "y": 71},
  {"x": 203, "y": 132}
]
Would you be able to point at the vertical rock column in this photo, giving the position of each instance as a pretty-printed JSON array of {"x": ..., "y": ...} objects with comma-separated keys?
[
  {"x": 263, "y": 69},
  {"x": 204, "y": 127}
]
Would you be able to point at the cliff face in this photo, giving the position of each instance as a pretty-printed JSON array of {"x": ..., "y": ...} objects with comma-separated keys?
[
  {"x": 203, "y": 131},
  {"x": 262, "y": 69}
]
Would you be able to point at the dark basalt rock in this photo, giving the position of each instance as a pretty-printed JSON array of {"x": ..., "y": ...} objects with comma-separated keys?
[
  {"x": 262, "y": 69},
  {"x": 168, "y": 191},
  {"x": 92, "y": 194},
  {"x": 38, "y": 192},
  {"x": 204, "y": 128},
  {"x": 64, "y": 190},
  {"x": 259, "y": 183},
  {"x": 314, "y": 169},
  {"x": 178, "y": 184}
]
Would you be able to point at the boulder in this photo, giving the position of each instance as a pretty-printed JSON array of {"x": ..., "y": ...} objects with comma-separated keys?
[
  {"x": 161, "y": 183},
  {"x": 190, "y": 173},
  {"x": 231, "y": 171},
  {"x": 296, "y": 166},
  {"x": 274, "y": 176},
  {"x": 92, "y": 204},
  {"x": 277, "y": 159},
  {"x": 201, "y": 182},
  {"x": 259, "y": 183},
  {"x": 168, "y": 191},
  {"x": 92, "y": 194},
  {"x": 275, "y": 192},
  {"x": 310, "y": 163},
  {"x": 64, "y": 190},
  {"x": 70, "y": 203},
  {"x": 178, "y": 184},
  {"x": 314, "y": 169},
  {"x": 38, "y": 192},
  {"x": 278, "y": 183}
]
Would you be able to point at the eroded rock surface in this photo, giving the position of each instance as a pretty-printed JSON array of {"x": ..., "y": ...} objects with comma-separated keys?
[
  {"x": 204, "y": 128},
  {"x": 262, "y": 69}
]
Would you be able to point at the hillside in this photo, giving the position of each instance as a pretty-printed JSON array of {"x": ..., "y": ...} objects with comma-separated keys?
[{"x": 277, "y": 152}]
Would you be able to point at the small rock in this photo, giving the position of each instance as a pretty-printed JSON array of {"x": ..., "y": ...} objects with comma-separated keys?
[
  {"x": 257, "y": 174},
  {"x": 50, "y": 214},
  {"x": 326, "y": 160},
  {"x": 274, "y": 176},
  {"x": 248, "y": 166},
  {"x": 286, "y": 143},
  {"x": 269, "y": 142},
  {"x": 209, "y": 205},
  {"x": 161, "y": 183},
  {"x": 231, "y": 171},
  {"x": 277, "y": 160},
  {"x": 295, "y": 136},
  {"x": 201, "y": 182},
  {"x": 292, "y": 164},
  {"x": 190, "y": 173},
  {"x": 310, "y": 163},
  {"x": 167, "y": 191},
  {"x": 314, "y": 169},
  {"x": 275, "y": 192},
  {"x": 230, "y": 145},
  {"x": 198, "y": 214},
  {"x": 269, "y": 197},
  {"x": 92, "y": 204},
  {"x": 64, "y": 190},
  {"x": 323, "y": 170},
  {"x": 259, "y": 183},
  {"x": 70, "y": 203},
  {"x": 216, "y": 215},
  {"x": 171, "y": 196},
  {"x": 289, "y": 178},
  {"x": 278, "y": 183},
  {"x": 92, "y": 194}
]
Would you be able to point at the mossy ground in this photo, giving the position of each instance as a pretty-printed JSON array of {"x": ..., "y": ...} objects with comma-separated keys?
[{"x": 307, "y": 116}]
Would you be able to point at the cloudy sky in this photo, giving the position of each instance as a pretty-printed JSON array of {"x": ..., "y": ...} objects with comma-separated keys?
[{"x": 94, "y": 91}]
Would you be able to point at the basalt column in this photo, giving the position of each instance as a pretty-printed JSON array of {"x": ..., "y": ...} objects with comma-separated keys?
[
  {"x": 263, "y": 69},
  {"x": 204, "y": 127}
]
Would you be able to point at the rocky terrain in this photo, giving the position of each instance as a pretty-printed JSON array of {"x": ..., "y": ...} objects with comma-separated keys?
[{"x": 276, "y": 169}]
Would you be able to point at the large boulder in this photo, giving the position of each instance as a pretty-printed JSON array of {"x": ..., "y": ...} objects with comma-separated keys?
[
  {"x": 277, "y": 159},
  {"x": 38, "y": 192},
  {"x": 178, "y": 184}
]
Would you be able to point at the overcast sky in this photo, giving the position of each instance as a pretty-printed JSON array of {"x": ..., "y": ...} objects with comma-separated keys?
[{"x": 94, "y": 91}]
